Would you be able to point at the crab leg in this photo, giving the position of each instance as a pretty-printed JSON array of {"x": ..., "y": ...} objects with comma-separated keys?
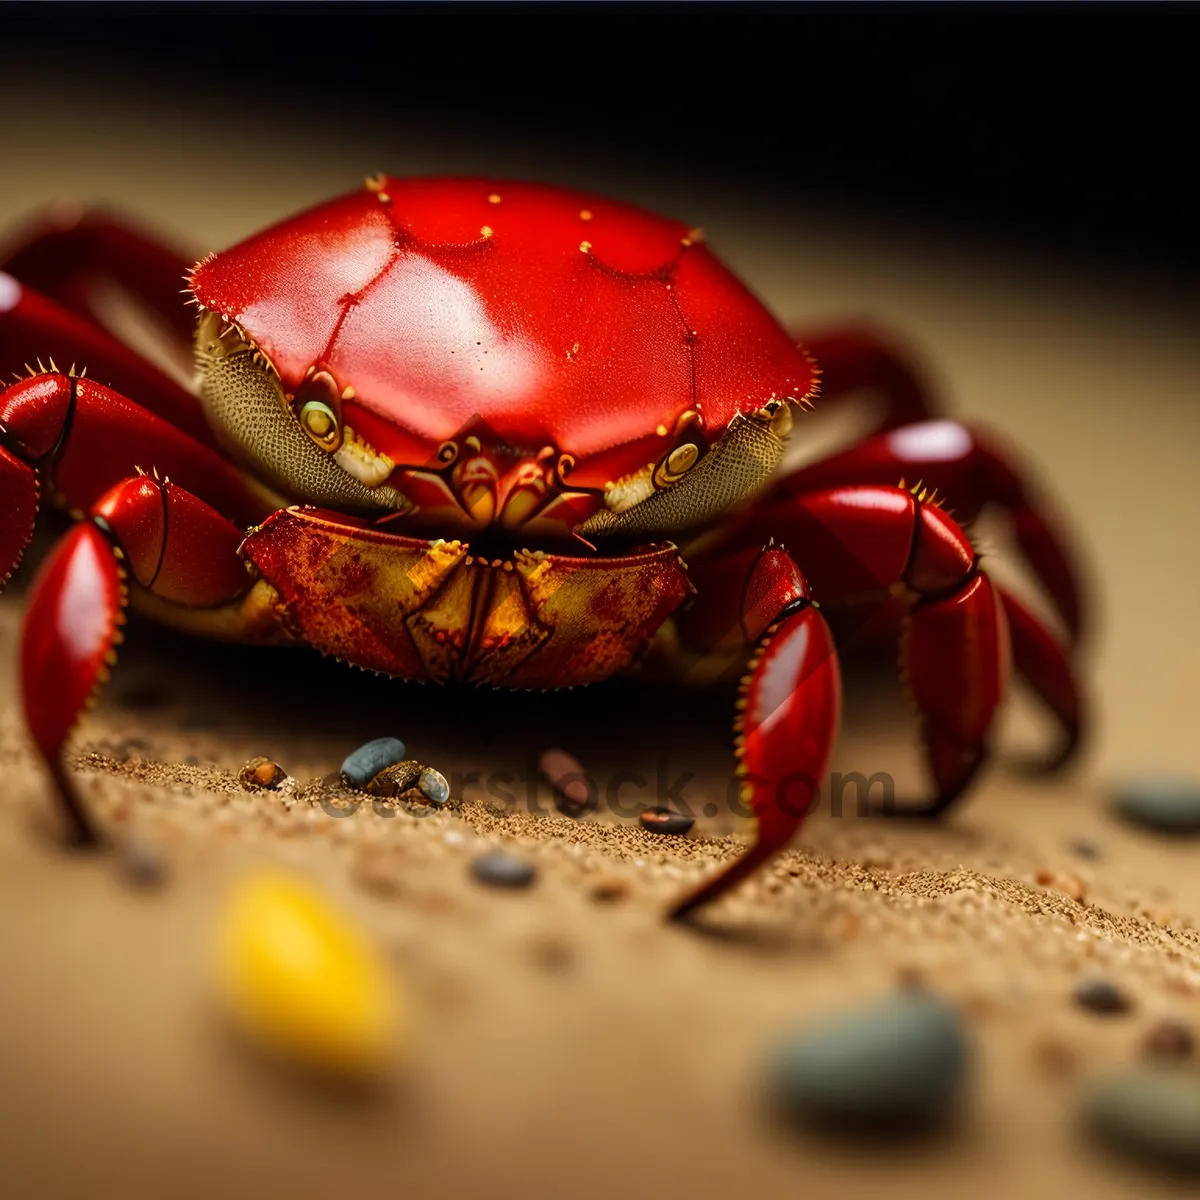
[
  {"x": 788, "y": 713},
  {"x": 33, "y": 324},
  {"x": 65, "y": 251},
  {"x": 971, "y": 470},
  {"x": 145, "y": 532},
  {"x": 884, "y": 542},
  {"x": 80, "y": 438}
]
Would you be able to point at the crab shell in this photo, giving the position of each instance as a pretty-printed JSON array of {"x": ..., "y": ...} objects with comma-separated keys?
[{"x": 570, "y": 328}]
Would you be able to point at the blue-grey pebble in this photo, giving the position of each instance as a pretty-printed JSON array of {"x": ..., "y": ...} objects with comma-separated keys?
[
  {"x": 1163, "y": 802},
  {"x": 434, "y": 787},
  {"x": 359, "y": 768},
  {"x": 898, "y": 1065},
  {"x": 1100, "y": 996},
  {"x": 1151, "y": 1114},
  {"x": 500, "y": 869}
]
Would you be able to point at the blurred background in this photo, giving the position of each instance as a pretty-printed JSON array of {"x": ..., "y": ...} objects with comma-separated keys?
[{"x": 1010, "y": 189}]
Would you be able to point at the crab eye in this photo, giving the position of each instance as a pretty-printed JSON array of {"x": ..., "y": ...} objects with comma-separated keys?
[
  {"x": 676, "y": 464},
  {"x": 320, "y": 423},
  {"x": 447, "y": 453}
]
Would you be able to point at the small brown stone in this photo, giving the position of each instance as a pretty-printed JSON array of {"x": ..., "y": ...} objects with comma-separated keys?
[
  {"x": 1073, "y": 886},
  {"x": 574, "y": 790},
  {"x": 399, "y": 779},
  {"x": 262, "y": 774},
  {"x": 1069, "y": 885},
  {"x": 609, "y": 889},
  {"x": 1170, "y": 1039},
  {"x": 662, "y": 820}
]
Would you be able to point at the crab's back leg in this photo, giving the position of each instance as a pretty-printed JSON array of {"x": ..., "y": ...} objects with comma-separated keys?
[
  {"x": 65, "y": 251},
  {"x": 144, "y": 533},
  {"x": 788, "y": 712},
  {"x": 35, "y": 328},
  {"x": 971, "y": 470}
]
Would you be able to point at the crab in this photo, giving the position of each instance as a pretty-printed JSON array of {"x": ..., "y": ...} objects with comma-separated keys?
[{"x": 509, "y": 434}]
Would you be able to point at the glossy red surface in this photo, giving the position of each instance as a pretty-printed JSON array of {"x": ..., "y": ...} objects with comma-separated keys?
[
  {"x": 111, "y": 438},
  {"x": 34, "y": 327},
  {"x": 971, "y": 470},
  {"x": 174, "y": 544},
  {"x": 793, "y": 706},
  {"x": 942, "y": 555},
  {"x": 72, "y": 615},
  {"x": 559, "y": 318},
  {"x": 850, "y": 541},
  {"x": 957, "y": 657}
]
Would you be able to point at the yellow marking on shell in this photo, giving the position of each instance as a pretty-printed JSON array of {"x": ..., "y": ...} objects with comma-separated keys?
[
  {"x": 376, "y": 182},
  {"x": 302, "y": 980},
  {"x": 494, "y": 198},
  {"x": 585, "y": 214},
  {"x": 585, "y": 247},
  {"x": 348, "y": 393},
  {"x": 485, "y": 231}
]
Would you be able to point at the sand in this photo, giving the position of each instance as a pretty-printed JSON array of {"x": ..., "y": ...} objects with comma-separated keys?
[{"x": 559, "y": 1043}]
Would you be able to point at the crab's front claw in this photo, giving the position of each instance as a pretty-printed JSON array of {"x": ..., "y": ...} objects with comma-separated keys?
[
  {"x": 72, "y": 625},
  {"x": 788, "y": 716}
]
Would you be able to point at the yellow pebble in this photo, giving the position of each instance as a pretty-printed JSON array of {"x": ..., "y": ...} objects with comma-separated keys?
[{"x": 303, "y": 981}]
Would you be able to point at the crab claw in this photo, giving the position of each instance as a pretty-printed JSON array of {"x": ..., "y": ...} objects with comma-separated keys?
[
  {"x": 790, "y": 704},
  {"x": 72, "y": 625}
]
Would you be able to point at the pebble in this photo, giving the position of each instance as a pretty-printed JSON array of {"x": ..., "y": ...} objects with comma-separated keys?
[
  {"x": 1166, "y": 803},
  {"x": 359, "y": 768},
  {"x": 1151, "y": 1114},
  {"x": 1082, "y": 848},
  {"x": 663, "y": 820},
  {"x": 141, "y": 865},
  {"x": 609, "y": 889},
  {"x": 261, "y": 773},
  {"x": 1069, "y": 885},
  {"x": 412, "y": 779},
  {"x": 302, "y": 981},
  {"x": 1170, "y": 1040},
  {"x": 500, "y": 869},
  {"x": 572, "y": 786},
  {"x": 898, "y": 1065},
  {"x": 1100, "y": 996}
]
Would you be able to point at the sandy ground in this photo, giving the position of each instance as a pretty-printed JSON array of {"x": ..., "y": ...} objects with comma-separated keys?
[{"x": 558, "y": 1043}]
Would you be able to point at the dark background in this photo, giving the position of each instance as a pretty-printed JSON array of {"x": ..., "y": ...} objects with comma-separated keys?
[{"x": 1070, "y": 124}]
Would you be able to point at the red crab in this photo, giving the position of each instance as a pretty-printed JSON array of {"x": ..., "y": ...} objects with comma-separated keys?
[{"x": 457, "y": 429}]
